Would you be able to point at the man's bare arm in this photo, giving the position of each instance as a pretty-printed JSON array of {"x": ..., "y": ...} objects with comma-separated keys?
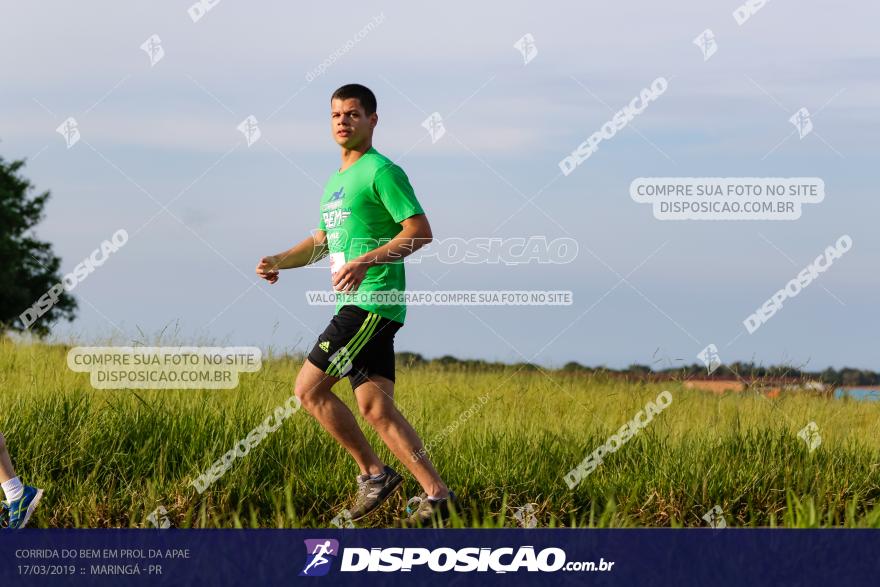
[
  {"x": 311, "y": 249},
  {"x": 415, "y": 234}
]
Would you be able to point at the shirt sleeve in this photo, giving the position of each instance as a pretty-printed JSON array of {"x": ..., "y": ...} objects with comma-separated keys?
[
  {"x": 321, "y": 225},
  {"x": 395, "y": 192}
]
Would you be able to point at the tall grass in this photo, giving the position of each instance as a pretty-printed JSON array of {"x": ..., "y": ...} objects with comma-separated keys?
[{"x": 110, "y": 458}]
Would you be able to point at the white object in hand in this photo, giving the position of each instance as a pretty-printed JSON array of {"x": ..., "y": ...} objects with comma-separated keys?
[{"x": 337, "y": 260}]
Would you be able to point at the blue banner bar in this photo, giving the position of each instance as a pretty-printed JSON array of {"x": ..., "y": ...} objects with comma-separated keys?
[{"x": 716, "y": 557}]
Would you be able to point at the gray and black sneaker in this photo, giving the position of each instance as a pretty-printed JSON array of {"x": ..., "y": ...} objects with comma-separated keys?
[
  {"x": 373, "y": 492},
  {"x": 425, "y": 512}
]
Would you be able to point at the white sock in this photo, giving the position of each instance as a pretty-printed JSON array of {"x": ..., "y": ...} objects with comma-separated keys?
[{"x": 13, "y": 489}]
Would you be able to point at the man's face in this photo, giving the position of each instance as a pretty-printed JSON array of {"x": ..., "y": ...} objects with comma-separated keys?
[{"x": 349, "y": 123}]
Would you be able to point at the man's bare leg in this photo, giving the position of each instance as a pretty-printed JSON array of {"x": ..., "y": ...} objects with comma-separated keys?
[
  {"x": 314, "y": 390},
  {"x": 7, "y": 473},
  {"x": 375, "y": 399},
  {"x": 21, "y": 499}
]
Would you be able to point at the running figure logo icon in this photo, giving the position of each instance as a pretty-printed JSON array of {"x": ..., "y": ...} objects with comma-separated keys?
[
  {"x": 319, "y": 554},
  {"x": 707, "y": 44},
  {"x": 69, "y": 129}
]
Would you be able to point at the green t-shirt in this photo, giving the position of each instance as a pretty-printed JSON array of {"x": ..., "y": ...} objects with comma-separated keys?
[{"x": 362, "y": 209}]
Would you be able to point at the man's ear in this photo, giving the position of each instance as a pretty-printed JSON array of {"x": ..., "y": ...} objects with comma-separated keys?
[{"x": 374, "y": 119}]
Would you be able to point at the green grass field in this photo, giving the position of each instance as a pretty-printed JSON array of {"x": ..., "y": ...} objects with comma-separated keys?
[{"x": 110, "y": 458}]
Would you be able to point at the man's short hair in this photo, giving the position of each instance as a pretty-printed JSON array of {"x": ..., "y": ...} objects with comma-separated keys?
[{"x": 363, "y": 94}]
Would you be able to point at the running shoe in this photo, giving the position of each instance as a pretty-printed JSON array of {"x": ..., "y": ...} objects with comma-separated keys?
[
  {"x": 21, "y": 509},
  {"x": 424, "y": 511},
  {"x": 373, "y": 492}
]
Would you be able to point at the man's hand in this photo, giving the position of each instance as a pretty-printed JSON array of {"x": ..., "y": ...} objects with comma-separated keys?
[
  {"x": 267, "y": 268},
  {"x": 415, "y": 233},
  {"x": 306, "y": 252},
  {"x": 350, "y": 276}
]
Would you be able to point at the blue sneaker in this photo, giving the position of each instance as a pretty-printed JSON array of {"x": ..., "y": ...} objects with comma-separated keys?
[{"x": 21, "y": 509}]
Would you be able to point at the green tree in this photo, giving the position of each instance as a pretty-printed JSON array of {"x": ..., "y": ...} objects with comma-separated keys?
[{"x": 28, "y": 268}]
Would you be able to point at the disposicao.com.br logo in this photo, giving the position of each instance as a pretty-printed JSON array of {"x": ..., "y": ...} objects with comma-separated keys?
[
  {"x": 443, "y": 559},
  {"x": 319, "y": 555}
]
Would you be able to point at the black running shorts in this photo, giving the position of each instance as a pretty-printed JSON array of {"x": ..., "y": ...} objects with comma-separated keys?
[{"x": 357, "y": 344}]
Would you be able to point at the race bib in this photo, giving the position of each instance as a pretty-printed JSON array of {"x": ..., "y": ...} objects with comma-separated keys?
[{"x": 337, "y": 260}]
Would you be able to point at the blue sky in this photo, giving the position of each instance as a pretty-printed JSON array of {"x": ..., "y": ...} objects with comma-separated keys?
[{"x": 168, "y": 134}]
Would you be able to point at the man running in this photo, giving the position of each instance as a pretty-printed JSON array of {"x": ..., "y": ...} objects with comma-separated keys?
[
  {"x": 320, "y": 559},
  {"x": 21, "y": 500},
  {"x": 367, "y": 202}
]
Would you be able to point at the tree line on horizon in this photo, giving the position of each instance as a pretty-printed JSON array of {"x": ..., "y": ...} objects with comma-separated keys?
[{"x": 749, "y": 371}]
